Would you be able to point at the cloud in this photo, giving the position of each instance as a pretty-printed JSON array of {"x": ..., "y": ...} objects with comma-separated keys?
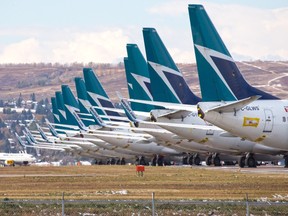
[
  {"x": 104, "y": 46},
  {"x": 249, "y": 33},
  {"x": 24, "y": 51}
]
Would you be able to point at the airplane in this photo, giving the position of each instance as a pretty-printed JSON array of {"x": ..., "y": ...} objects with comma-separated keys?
[
  {"x": 221, "y": 141},
  {"x": 132, "y": 141},
  {"x": 21, "y": 158},
  {"x": 243, "y": 110}
]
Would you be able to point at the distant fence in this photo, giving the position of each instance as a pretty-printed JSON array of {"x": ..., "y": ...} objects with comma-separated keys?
[{"x": 153, "y": 206}]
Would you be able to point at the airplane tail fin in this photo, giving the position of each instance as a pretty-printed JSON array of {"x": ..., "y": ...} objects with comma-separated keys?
[
  {"x": 28, "y": 139},
  {"x": 42, "y": 133},
  {"x": 138, "y": 79},
  {"x": 51, "y": 129},
  {"x": 55, "y": 110},
  {"x": 99, "y": 121},
  {"x": 96, "y": 93},
  {"x": 20, "y": 140},
  {"x": 30, "y": 135},
  {"x": 70, "y": 104},
  {"x": 167, "y": 82},
  {"x": 61, "y": 107},
  {"x": 129, "y": 112},
  {"x": 84, "y": 103},
  {"x": 219, "y": 76}
]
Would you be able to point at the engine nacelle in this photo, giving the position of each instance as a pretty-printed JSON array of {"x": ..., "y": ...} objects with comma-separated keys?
[{"x": 10, "y": 162}]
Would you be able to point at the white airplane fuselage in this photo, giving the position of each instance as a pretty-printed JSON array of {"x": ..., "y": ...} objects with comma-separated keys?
[
  {"x": 262, "y": 121},
  {"x": 219, "y": 140},
  {"x": 17, "y": 158}
]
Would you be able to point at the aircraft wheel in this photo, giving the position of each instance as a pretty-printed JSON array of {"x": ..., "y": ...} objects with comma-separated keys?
[
  {"x": 160, "y": 161},
  {"x": 197, "y": 160},
  {"x": 241, "y": 162},
  {"x": 154, "y": 161},
  {"x": 185, "y": 160},
  {"x": 142, "y": 161},
  {"x": 216, "y": 161},
  {"x": 123, "y": 162},
  {"x": 286, "y": 161},
  {"x": 190, "y": 160},
  {"x": 250, "y": 162},
  {"x": 208, "y": 160}
]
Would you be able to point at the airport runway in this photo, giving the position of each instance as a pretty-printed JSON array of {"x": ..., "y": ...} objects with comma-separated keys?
[{"x": 264, "y": 169}]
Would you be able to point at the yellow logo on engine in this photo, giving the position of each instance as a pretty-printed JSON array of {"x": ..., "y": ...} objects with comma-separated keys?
[{"x": 250, "y": 122}]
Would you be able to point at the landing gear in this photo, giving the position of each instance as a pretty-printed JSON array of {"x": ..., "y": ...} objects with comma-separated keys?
[
  {"x": 286, "y": 161},
  {"x": 216, "y": 160},
  {"x": 122, "y": 161},
  {"x": 247, "y": 160},
  {"x": 118, "y": 162},
  {"x": 208, "y": 160},
  {"x": 196, "y": 160},
  {"x": 190, "y": 159},
  {"x": 185, "y": 160},
  {"x": 241, "y": 161},
  {"x": 142, "y": 160},
  {"x": 250, "y": 161},
  {"x": 139, "y": 160},
  {"x": 160, "y": 160}
]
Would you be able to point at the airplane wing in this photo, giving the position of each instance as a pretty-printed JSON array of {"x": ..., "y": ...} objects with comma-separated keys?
[
  {"x": 172, "y": 106},
  {"x": 179, "y": 125},
  {"x": 233, "y": 106}
]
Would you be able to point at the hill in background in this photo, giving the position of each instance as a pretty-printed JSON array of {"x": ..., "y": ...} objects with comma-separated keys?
[{"x": 44, "y": 79}]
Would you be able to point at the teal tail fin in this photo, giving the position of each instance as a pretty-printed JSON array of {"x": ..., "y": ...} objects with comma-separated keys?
[
  {"x": 96, "y": 93},
  {"x": 61, "y": 108},
  {"x": 55, "y": 110},
  {"x": 167, "y": 82},
  {"x": 138, "y": 79},
  {"x": 219, "y": 76}
]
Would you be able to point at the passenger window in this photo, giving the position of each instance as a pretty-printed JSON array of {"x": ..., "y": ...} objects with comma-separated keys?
[{"x": 284, "y": 119}]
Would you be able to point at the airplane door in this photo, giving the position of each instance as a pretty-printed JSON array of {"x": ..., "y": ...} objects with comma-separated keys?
[
  {"x": 210, "y": 132},
  {"x": 268, "y": 120}
]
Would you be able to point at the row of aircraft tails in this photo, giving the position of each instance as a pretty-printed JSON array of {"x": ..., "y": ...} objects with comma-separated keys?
[{"x": 163, "y": 121}]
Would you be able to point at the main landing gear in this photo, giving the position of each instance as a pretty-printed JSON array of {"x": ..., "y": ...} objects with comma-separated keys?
[
  {"x": 247, "y": 160},
  {"x": 213, "y": 159}
]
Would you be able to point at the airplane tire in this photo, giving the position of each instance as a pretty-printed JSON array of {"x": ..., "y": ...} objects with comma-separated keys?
[
  {"x": 154, "y": 161},
  {"x": 160, "y": 161},
  {"x": 251, "y": 162},
  {"x": 190, "y": 160},
  {"x": 286, "y": 161},
  {"x": 123, "y": 162},
  {"x": 142, "y": 161},
  {"x": 216, "y": 161},
  {"x": 185, "y": 160},
  {"x": 241, "y": 162},
  {"x": 197, "y": 160},
  {"x": 208, "y": 160}
]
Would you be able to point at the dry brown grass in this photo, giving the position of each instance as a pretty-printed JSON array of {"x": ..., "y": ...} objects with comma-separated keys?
[{"x": 106, "y": 182}]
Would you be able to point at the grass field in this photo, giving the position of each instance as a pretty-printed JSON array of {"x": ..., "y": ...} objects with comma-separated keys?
[{"x": 122, "y": 183}]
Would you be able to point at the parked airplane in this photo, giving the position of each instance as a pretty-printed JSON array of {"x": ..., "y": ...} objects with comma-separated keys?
[
  {"x": 261, "y": 121},
  {"x": 221, "y": 141},
  {"x": 21, "y": 158}
]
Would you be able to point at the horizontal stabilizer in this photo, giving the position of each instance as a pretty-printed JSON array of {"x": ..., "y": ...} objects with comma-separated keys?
[{"x": 234, "y": 106}]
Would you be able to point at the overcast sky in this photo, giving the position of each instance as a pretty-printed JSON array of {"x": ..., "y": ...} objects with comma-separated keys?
[{"x": 68, "y": 31}]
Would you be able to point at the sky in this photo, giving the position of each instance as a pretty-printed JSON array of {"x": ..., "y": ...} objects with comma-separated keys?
[{"x": 67, "y": 31}]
